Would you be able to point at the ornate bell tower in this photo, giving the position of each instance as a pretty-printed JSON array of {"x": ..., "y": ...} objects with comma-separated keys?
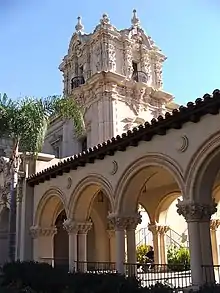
[{"x": 116, "y": 75}]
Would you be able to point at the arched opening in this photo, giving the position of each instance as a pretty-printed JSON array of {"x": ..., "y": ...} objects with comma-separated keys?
[
  {"x": 142, "y": 234},
  {"x": 48, "y": 220},
  {"x": 61, "y": 242},
  {"x": 92, "y": 202},
  {"x": 148, "y": 182},
  {"x": 177, "y": 234}
]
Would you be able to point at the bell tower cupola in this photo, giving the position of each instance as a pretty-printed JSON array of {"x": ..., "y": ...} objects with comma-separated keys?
[{"x": 116, "y": 76}]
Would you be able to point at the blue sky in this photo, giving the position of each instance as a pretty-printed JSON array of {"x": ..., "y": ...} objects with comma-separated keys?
[{"x": 35, "y": 35}]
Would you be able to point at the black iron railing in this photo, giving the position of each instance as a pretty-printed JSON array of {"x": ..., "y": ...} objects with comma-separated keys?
[
  {"x": 178, "y": 276},
  {"x": 140, "y": 76},
  {"x": 95, "y": 267},
  {"x": 77, "y": 81}
]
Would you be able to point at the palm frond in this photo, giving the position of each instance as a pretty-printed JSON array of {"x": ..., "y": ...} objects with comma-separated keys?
[{"x": 27, "y": 119}]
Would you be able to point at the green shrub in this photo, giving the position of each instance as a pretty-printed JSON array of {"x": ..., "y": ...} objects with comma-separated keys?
[
  {"x": 178, "y": 258},
  {"x": 141, "y": 252},
  {"x": 43, "y": 278}
]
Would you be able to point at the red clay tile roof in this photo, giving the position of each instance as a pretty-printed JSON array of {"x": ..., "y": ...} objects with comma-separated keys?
[{"x": 190, "y": 113}]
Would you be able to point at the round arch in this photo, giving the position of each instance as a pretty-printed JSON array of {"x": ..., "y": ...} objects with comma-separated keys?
[
  {"x": 49, "y": 206},
  {"x": 201, "y": 173},
  {"x": 128, "y": 189},
  {"x": 84, "y": 193},
  {"x": 163, "y": 207}
]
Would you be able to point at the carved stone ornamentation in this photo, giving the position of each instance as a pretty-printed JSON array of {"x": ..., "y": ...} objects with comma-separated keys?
[
  {"x": 162, "y": 229},
  {"x": 114, "y": 168},
  {"x": 83, "y": 228},
  {"x": 70, "y": 226},
  {"x": 37, "y": 231},
  {"x": 182, "y": 144},
  {"x": 69, "y": 182},
  {"x": 155, "y": 228},
  {"x": 194, "y": 212},
  {"x": 124, "y": 222},
  {"x": 214, "y": 224},
  {"x": 158, "y": 73}
]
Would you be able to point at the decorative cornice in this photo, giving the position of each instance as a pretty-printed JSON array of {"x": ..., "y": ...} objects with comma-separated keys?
[{"x": 193, "y": 112}]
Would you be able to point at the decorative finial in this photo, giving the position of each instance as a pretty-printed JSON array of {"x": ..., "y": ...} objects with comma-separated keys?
[
  {"x": 105, "y": 19},
  {"x": 79, "y": 26},
  {"x": 135, "y": 20}
]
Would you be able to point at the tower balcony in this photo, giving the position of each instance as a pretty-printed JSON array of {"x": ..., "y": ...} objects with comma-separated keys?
[
  {"x": 140, "y": 76},
  {"x": 77, "y": 81}
]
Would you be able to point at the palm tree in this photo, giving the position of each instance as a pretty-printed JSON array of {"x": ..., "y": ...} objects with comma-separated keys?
[{"x": 25, "y": 123}]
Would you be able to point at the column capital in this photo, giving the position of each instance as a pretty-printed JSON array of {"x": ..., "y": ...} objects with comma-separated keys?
[
  {"x": 157, "y": 228},
  {"x": 70, "y": 226},
  {"x": 163, "y": 229},
  {"x": 214, "y": 224},
  {"x": 124, "y": 222},
  {"x": 84, "y": 227},
  {"x": 37, "y": 231},
  {"x": 193, "y": 211}
]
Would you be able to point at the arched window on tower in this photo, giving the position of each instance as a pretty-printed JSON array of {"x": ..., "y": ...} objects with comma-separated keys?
[{"x": 78, "y": 80}]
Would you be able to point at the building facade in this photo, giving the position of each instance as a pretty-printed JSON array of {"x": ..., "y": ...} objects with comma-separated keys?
[
  {"x": 116, "y": 77},
  {"x": 81, "y": 209}
]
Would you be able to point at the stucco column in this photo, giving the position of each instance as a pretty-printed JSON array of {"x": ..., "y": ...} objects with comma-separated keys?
[
  {"x": 162, "y": 245},
  {"x": 198, "y": 219},
  {"x": 132, "y": 223},
  {"x": 153, "y": 228},
  {"x": 83, "y": 229},
  {"x": 119, "y": 224},
  {"x": 71, "y": 227},
  {"x": 214, "y": 224},
  {"x": 112, "y": 247},
  {"x": 43, "y": 243}
]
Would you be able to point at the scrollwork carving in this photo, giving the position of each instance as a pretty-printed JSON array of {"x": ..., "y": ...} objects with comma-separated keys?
[
  {"x": 124, "y": 222},
  {"x": 83, "y": 228},
  {"x": 70, "y": 226},
  {"x": 158, "y": 229},
  {"x": 214, "y": 224},
  {"x": 37, "y": 231},
  {"x": 194, "y": 212}
]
